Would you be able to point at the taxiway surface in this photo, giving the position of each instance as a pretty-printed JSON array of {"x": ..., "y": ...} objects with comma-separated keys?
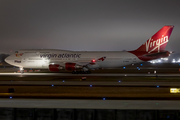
[
  {"x": 88, "y": 83},
  {"x": 97, "y": 74}
]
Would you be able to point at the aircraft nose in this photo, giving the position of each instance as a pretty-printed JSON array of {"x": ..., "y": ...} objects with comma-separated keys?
[{"x": 7, "y": 60}]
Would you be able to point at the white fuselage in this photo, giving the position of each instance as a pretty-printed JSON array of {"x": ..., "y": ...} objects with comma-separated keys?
[{"x": 40, "y": 59}]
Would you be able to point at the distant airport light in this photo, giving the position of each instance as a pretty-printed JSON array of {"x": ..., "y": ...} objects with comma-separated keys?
[
  {"x": 141, "y": 64},
  {"x": 165, "y": 59},
  {"x": 178, "y": 61},
  {"x": 159, "y": 61},
  {"x": 139, "y": 69},
  {"x": 104, "y": 98},
  {"x": 124, "y": 67},
  {"x": 10, "y": 97},
  {"x": 167, "y": 116},
  {"x": 173, "y": 61},
  {"x": 63, "y": 80},
  {"x": 157, "y": 86},
  {"x": 52, "y": 85},
  {"x": 90, "y": 85},
  {"x": 119, "y": 81}
]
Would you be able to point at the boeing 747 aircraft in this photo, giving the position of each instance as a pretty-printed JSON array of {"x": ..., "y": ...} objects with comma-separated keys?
[{"x": 83, "y": 61}]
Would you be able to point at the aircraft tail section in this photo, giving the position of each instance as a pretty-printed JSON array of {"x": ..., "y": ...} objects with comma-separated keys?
[{"x": 157, "y": 42}]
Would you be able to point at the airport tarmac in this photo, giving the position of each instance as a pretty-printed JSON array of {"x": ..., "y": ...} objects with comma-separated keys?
[
  {"x": 91, "y": 104},
  {"x": 88, "y": 83},
  {"x": 97, "y": 74}
]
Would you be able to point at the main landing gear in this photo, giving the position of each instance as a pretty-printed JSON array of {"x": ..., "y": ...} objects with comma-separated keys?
[{"x": 81, "y": 72}]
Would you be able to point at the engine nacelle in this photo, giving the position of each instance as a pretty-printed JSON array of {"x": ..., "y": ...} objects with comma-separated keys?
[
  {"x": 72, "y": 66},
  {"x": 54, "y": 67}
]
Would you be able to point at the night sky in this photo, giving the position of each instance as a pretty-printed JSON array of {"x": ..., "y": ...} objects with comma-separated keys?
[{"x": 86, "y": 25}]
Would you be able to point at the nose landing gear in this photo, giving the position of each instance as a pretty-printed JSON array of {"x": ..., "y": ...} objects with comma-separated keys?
[
  {"x": 84, "y": 70},
  {"x": 21, "y": 70}
]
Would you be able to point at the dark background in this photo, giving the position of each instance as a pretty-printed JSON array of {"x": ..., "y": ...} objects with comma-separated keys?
[{"x": 85, "y": 25}]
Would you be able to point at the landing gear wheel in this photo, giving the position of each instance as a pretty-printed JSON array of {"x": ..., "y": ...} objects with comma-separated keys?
[
  {"x": 81, "y": 72},
  {"x": 87, "y": 72},
  {"x": 21, "y": 70},
  {"x": 75, "y": 72}
]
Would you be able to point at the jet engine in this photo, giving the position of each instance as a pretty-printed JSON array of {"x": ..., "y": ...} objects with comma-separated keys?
[
  {"x": 72, "y": 66},
  {"x": 54, "y": 67}
]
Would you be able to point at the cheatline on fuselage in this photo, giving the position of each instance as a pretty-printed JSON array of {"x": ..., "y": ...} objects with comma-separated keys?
[{"x": 83, "y": 61}]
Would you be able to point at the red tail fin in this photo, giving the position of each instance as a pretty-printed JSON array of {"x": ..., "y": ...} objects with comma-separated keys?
[{"x": 158, "y": 41}]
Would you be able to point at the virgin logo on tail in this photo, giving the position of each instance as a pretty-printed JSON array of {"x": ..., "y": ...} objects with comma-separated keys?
[
  {"x": 158, "y": 41},
  {"x": 152, "y": 45}
]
